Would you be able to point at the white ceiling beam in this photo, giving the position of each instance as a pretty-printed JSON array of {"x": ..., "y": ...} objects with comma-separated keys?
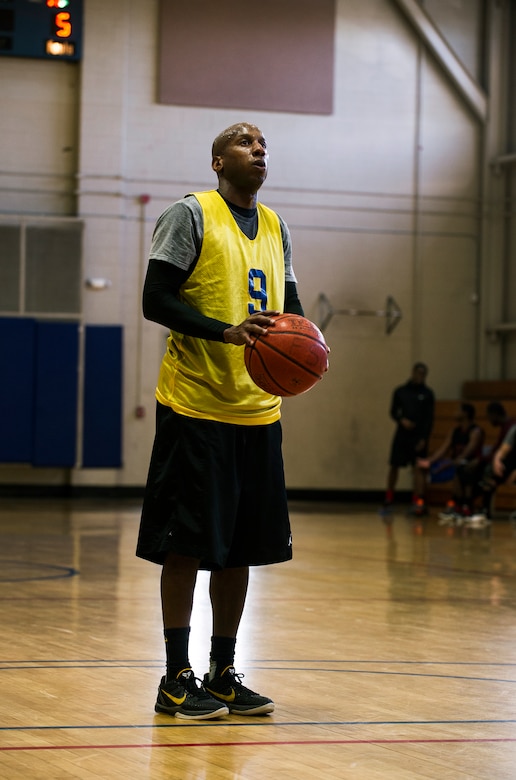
[{"x": 453, "y": 67}]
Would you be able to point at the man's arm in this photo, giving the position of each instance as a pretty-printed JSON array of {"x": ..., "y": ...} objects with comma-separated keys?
[
  {"x": 499, "y": 457},
  {"x": 396, "y": 409},
  {"x": 474, "y": 441},
  {"x": 292, "y": 302},
  {"x": 439, "y": 453},
  {"x": 427, "y": 423},
  {"x": 161, "y": 303}
]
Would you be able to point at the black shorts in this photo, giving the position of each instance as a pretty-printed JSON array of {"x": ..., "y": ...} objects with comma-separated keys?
[
  {"x": 470, "y": 472},
  {"x": 403, "y": 449},
  {"x": 215, "y": 492}
]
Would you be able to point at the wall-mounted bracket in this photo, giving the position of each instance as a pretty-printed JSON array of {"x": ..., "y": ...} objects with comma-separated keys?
[{"x": 392, "y": 313}]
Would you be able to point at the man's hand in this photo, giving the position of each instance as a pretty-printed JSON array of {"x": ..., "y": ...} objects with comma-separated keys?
[
  {"x": 407, "y": 424},
  {"x": 420, "y": 445},
  {"x": 498, "y": 467},
  {"x": 253, "y": 326}
]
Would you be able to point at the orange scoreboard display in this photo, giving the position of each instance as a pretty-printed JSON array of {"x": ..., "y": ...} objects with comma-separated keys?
[{"x": 41, "y": 29}]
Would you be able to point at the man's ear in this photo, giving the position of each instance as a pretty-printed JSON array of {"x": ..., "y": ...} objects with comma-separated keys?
[{"x": 217, "y": 164}]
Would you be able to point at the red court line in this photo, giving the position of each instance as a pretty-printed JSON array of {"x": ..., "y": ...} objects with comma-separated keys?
[{"x": 278, "y": 743}]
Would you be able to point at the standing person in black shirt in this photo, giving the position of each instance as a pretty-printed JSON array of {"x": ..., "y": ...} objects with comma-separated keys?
[{"x": 412, "y": 409}]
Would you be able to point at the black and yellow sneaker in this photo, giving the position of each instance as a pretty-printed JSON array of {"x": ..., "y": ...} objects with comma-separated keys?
[
  {"x": 183, "y": 698},
  {"x": 228, "y": 689}
]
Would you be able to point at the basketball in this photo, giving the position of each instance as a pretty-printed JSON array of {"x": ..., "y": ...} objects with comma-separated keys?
[{"x": 290, "y": 358}]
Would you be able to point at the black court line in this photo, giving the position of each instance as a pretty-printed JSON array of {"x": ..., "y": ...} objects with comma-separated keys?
[
  {"x": 254, "y": 744},
  {"x": 394, "y": 674},
  {"x": 385, "y": 661},
  {"x": 151, "y": 662},
  {"x": 262, "y": 723},
  {"x": 252, "y": 663},
  {"x": 80, "y": 665},
  {"x": 279, "y": 669}
]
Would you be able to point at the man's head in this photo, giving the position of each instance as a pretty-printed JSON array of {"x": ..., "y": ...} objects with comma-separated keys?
[
  {"x": 228, "y": 135},
  {"x": 466, "y": 412},
  {"x": 419, "y": 373},
  {"x": 240, "y": 157},
  {"x": 496, "y": 413}
]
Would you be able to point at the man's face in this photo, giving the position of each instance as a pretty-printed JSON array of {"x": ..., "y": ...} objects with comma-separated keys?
[
  {"x": 461, "y": 416},
  {"x": 419, "y": 375},
  {"x": 243, "y": 161}
]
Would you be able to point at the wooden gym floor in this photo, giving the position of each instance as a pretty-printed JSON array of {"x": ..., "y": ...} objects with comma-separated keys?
[{"x": 390, "y": 652}]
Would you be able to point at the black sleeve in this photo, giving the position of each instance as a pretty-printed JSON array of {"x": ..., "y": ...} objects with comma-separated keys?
[
  {"x": 292, "y": 302},
  {"x": 396, "y": 411},
  {"x": 161, "y": 303},
  {"x": 429, "y": 421}
]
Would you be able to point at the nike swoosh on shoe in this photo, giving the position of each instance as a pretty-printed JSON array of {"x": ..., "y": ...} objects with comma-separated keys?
[
  {"x": 177, "y": 700},
  {"x": 225, "y": 697}
]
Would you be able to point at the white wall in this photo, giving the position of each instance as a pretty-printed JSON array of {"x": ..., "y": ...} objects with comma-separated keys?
[{"x": 382, "y": 198}]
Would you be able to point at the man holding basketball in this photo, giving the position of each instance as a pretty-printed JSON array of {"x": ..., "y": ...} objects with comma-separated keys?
[{"x": 220, "y": 268}]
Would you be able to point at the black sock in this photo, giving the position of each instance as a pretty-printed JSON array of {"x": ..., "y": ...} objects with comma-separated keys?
[
  {"x": 487, "y": 498},
  {"x": 222, "y": 654},
  {"x": 176, "y": 646}
]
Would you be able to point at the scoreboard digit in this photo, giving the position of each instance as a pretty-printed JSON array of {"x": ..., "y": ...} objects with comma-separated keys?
[{"x": 41, "y": 29}]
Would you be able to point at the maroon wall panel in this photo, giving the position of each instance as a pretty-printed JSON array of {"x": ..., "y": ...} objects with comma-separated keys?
[{"x": 276, "y": 55}]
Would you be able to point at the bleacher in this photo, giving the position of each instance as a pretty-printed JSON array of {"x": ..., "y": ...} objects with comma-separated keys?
[{"x": 479, "y": 394}]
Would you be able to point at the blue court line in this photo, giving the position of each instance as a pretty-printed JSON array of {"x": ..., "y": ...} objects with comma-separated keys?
[
  {"x": 430, "y": 565},
  {"x": 268, "y": 724},
  {"x": 63, "y": 572}
]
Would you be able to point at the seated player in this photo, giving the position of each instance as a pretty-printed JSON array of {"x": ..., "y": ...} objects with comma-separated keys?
[
  {"x": 484, "y": 480},
  {"x": 501, "y": 469},
  {"x": 457, "y": 458}
]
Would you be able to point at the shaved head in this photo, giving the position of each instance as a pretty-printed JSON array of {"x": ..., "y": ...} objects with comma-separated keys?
[{"x": 228, "y": 134}]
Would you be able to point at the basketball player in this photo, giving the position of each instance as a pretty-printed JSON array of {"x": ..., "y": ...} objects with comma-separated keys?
[
  {"x": 497, "y": 466},
  {"x": 462, "y": 451},
  {"x": 220, "y": 266},
  {"x": 504, "y": 459}
]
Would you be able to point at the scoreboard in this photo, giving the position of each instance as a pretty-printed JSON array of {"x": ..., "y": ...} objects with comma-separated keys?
[{"x": 42, "y": 29}]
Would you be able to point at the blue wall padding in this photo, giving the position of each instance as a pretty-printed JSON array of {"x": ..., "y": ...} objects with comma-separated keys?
[
  {"x": 17, "y": 344},
  {"x": 102, "y": 415},
  {"x": 55, "y": 397}
]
